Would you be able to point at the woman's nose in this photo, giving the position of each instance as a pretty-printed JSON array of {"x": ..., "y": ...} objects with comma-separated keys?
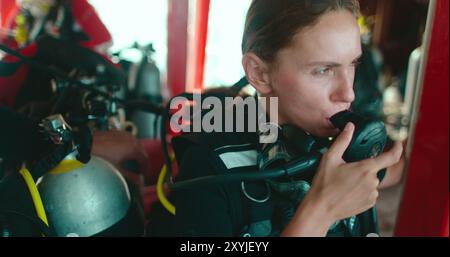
[{"x": 344, "y": 88}]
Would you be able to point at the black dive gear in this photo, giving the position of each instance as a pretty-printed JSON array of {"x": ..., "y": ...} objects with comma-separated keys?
[
  {"x": 294, "y": 159},
  {"x": 369, "y": 140}
]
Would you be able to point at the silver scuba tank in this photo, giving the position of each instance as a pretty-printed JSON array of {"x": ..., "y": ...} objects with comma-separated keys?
[
  {"x": 145, "y": 84},
  {"x": 87, "y": 199}
]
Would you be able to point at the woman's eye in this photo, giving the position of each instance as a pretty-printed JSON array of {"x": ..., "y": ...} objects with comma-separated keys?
[{"x": 323, "y": 71}]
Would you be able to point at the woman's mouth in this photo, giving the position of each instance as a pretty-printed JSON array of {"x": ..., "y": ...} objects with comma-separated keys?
[{"x": 330, "y": 124}]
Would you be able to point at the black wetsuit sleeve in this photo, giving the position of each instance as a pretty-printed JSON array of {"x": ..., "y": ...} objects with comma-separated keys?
[{"x": 202, "y": 211}]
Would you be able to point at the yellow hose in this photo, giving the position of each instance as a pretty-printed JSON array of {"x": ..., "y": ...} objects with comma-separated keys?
[
  {"x": 160, "y": 190},
  {"x": 36, "y": 197}
]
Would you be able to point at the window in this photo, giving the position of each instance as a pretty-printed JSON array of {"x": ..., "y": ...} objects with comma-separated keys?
[
  {"x": 142, "y": 21},
  {"x": 223, "y": 50}
]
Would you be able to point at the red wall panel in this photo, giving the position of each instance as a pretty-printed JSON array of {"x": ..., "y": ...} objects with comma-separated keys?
[{"x": 424, "y": 208}]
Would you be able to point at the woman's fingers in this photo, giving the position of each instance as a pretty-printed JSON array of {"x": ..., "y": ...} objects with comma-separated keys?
[{"x": 341, "y": 143}]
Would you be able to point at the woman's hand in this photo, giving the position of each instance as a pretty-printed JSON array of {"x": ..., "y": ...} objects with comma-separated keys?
[
  {"x": 340, "y": 190},
  {"x": 394, "y": 173},
  {"x": 117, "y": 147}
]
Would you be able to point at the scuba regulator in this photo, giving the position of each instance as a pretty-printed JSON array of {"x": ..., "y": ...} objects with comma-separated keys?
[{"x": 368, "y": 141}]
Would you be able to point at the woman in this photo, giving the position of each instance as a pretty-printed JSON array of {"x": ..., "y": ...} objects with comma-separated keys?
[{"x": 304, "y": 52}]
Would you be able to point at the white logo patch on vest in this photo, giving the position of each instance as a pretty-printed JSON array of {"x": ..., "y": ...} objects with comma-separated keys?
[{"x": 239, "y": 159}]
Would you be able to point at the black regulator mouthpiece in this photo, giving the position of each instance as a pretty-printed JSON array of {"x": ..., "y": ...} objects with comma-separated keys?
[{"x": 369, "y": 137}]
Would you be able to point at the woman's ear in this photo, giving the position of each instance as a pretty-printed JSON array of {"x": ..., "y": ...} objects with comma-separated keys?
[{"x": 257, "y": 73}]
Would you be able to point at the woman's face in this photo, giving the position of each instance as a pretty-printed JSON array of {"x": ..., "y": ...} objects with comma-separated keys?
[{"x": 313, "y": 77}]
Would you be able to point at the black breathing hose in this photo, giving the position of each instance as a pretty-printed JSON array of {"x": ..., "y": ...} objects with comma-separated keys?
[{"x": 294, "y": 168}]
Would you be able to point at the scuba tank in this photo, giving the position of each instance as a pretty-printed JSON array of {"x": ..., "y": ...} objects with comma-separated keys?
[
  {"x": 145, "y": 84},
  {"x": 81, "y": 196},
  {"x": 87, "y": 199},
  {"x": 76, "y": 194}
]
